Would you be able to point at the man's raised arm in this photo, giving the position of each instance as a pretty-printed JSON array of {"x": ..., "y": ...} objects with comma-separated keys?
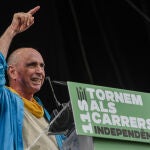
[{"x": 21, "y": 21}]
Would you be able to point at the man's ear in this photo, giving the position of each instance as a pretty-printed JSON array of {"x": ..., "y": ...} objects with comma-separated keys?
[{"x": 11, "y": 71}]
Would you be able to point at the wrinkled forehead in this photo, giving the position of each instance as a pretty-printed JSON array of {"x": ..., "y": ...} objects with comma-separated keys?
[
  {"x": 33, "y": 55},
  {"x": 30, "y": 55},
  {"x": 24, "y": 55}
]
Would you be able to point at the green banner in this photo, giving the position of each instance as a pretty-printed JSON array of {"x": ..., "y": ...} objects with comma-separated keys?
[{"x": 110, "y": 112}]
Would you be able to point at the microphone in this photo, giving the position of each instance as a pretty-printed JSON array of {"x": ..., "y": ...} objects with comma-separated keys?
[{"x": 60, "y": 82}]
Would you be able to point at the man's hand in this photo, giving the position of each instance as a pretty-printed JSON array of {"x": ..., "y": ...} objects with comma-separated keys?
[{"x": 22, "y": 21}]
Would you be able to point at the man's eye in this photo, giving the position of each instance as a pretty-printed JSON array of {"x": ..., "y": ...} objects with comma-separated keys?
[
  {"x": 31, "y": 64},
  {"x": 42, "y": 65},
  {"x": 35, "y": 65}
]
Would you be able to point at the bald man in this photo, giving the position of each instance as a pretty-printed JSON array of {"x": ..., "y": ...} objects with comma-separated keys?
[{"x": 23, "y": 119}]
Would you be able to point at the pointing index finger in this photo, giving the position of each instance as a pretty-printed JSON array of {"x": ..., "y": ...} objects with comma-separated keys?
[{"x": 34, "y": 10}]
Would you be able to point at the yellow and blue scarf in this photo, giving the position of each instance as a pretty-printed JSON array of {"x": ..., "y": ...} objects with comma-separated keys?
[{"x": 31, "y": 105}]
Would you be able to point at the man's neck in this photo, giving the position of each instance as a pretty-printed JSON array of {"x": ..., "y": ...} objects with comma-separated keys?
[{"x": 28, "y": 96}]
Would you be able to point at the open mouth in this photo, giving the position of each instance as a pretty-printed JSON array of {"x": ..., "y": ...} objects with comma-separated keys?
[{"x": 36, "y": 81}]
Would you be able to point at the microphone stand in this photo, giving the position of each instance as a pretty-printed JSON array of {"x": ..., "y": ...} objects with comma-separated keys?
[
  {"x": 58, "y": 105},
  {"x": 64, "y": 117}
]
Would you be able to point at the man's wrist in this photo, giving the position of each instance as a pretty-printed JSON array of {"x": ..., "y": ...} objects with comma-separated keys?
[{"x": 11, "y": 32}]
